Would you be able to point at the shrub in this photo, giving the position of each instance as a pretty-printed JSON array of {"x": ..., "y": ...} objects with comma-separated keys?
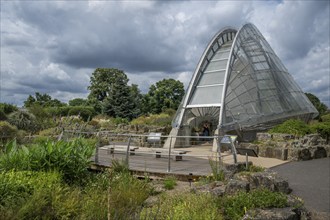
[
  {"x": 23, "y": 120},
  {"x": 7, "y": 131},
  {"x": 170, "y": 182},
  {"x": 325, "y": 118},
  {"x": 234, "y": 207},
  {"x": 292, "y": 126},
  {"x": 16, "y": 184},
  {"x": 183, "y": 206},
  {"x": 3, "y": 116},
  {"x": 7, "y": 108},
  {"x": 84, "y": 112},
  {"x": 322, "y": 128},
  {"x": 162, "y": 119},
  {"x": 127, "y": 195},
  {"x": 70, "y": 158}
]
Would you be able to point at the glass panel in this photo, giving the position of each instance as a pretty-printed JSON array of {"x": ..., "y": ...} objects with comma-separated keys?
[
  {"x": 221, "y": 54},
  {"x": 217, "y": 65},
  {"x": 207, "y": 95},
  {"x": 212, "y": 78}
]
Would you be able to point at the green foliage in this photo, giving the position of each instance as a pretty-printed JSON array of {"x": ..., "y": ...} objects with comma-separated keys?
[
  {"x": 217, "y": 173},
  {"x": 3, "y": 116},
  {"x": 162, "y": 119},
  {"x": 86, "y": 113},
  {"x": 292, "y": 126},
  {"x": 167, "y": 93},
  {"x": 15, "y": 184},
  {"x": 7, "y": 108},
  {"x": 24, "y": 120},
  {"x": 183, "y": 206},
  {"x": 127, "y": 195},
  {"x": 111, "y": 95},
  {"x": 43, "y": 100},
  {"x": 7, "y": 131},
  {"x": 69, "y": 158},
  {"x": 325, "y": 118},
  {"x": 170, "y": 182},
  {"x": 320, "y": 106},
  {"x": 322, "y": 128},
  {"x": 78, "y": 102},
  {"x": 39, "y": 195},
  {"x": 234, "y": 207},
  {"x": 43, "y": 119}
]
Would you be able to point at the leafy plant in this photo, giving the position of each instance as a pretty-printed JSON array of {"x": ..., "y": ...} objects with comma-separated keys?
[
  {"x": 217, "y": 172},
  {"x": 292, "y": 126},
  {"x": 127, "y": 194},
  {"x": 183, "y": 206},
  {"x": 234, "y": 207},
  {"x": 170, "y": 182},
  {"x": 70, "y": 158}
]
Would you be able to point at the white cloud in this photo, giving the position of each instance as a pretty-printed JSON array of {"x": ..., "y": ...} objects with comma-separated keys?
[{"x": 54, "y": 46}]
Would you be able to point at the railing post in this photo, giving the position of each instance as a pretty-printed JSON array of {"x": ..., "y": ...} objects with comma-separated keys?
[
  {"x": 169, "y": 156},
  {"x": 233, "y": 150},
  {"x": 127, "y": 150},
  {"x": 96, "y": 159}
]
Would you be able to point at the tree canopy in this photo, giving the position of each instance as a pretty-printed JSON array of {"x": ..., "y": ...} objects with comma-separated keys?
[
  {"x": 110, "y": 93},
  {"x": 320, "y": 106},
  {"x": 167, "y": 93},
  {"x": 43, "y": 100}
]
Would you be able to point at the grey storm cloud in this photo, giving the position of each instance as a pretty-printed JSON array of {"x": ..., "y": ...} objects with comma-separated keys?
[{"x": 54, "y": 46}]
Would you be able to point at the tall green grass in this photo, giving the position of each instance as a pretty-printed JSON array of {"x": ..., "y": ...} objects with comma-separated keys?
[{"x": 69, "y": 158}]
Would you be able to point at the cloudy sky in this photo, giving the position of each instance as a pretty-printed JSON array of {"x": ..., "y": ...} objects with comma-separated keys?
[{"x": 53, "y": 47}]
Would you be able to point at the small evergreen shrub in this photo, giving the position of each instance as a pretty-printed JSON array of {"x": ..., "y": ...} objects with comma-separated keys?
[
  {"x": 234, "y": 207},
  {"x": 170, "y": 182},
  {"x": 292, "y": 126}
]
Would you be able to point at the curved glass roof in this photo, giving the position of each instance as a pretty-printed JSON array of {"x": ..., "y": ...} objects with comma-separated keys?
[{"x": 242, "y": 84}]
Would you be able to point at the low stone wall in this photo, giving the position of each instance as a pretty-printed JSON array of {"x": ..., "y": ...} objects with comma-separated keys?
[{"x": 289, "y": 147}]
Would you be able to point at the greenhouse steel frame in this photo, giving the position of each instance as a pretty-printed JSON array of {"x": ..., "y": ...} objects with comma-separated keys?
[{"x": 240, "y": 85}]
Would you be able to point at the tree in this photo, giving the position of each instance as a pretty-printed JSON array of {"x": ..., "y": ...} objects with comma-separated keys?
[
  {"x": 167, "y": 93},
  {"x": 320, "y": 106},
  {"x": 78, "y": 102},
  {"x": 44, "y": 100},
  {"x": 110, "y": 94}
]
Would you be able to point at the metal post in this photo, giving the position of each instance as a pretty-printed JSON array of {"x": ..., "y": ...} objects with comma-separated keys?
[
  {"x": 96, "y": 159},
  {"x": 233, "y": 150},
  {"x": 127, "y": 150},
  {"x": 246, "y": 161},
  {"x": 169, "y": 156}
]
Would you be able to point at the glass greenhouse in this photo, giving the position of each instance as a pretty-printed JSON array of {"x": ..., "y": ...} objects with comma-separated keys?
[{"x": 240, "y": 86}]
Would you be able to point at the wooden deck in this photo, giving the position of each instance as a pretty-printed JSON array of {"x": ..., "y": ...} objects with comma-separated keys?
[{"x": 144, "y": 160}]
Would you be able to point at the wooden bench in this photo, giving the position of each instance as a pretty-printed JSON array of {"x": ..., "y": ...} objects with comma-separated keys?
[
  {"x": 111, "y": 149},
  {"x": 177, "y": 155}
]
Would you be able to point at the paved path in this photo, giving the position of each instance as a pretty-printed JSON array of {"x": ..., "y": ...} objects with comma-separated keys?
[{"x": 309, "y": 180}]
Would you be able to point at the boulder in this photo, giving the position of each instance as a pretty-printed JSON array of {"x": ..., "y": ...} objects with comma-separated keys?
[
  {"x": 267, "y": 179},
  {"x": 270, "y": 214},
  {"x": 235, "y": 186}
]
